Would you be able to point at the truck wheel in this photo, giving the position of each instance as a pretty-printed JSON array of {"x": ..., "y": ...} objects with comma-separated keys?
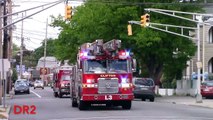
[
  {"x": 60, "y": 95},
  {"x": 74, "y": 102},
  {"x": 127, "y": 105},
  {"x": 55, "y": 94},
  {"x": 28, "y": 92},
  {"x": 81, "y": 105}
]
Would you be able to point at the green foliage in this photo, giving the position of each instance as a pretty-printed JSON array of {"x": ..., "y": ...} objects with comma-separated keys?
[
  {"x": 108, "y": 19},
  {"x": 14, "y": 75},
  {"x": 16, "y": 49},
  {"x": 39, "y": 52}
]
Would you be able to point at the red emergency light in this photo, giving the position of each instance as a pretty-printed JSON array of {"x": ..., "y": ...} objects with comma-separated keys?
[{"x": 123, "y": 54}]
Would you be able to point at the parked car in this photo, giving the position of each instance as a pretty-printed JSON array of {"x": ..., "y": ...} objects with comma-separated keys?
[
  {"x": 38, "y": 84},
  {"x": 31, "y": 83},
  {"x": 207, "y": 89},
  {"x": 21, "y": 86},
  {"x": 144, "y": 88}
]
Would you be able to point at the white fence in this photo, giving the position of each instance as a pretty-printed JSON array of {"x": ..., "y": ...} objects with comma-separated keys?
[{"x": 184, "y": 87}]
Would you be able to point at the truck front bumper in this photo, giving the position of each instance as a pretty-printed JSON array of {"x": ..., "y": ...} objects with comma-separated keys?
[
  {"x": 65, "y": 90},
  {"x": 106, "y": 97}
]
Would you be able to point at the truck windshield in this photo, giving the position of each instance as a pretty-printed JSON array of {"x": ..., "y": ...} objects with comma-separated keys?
[
  {"x": 106, "y": 66},
  {"x": 95, "y": 66},
  {"x": 117, "y": 66},
  {"x": 66, "y": 77}
]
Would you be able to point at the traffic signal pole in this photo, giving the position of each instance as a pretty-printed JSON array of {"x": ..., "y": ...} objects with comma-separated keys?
[
  {"x": 173, "y": 13},
  {"x": 45, "y": 51}
]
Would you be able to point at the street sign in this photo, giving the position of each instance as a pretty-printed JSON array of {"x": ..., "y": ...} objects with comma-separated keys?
[{"x": 18, "y": 68}]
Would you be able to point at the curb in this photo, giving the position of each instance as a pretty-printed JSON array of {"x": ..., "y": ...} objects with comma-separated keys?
[{"x": 188, "y": 104}]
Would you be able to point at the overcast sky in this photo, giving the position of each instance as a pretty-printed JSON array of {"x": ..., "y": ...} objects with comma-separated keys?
[{"x": 35, "y": 27}]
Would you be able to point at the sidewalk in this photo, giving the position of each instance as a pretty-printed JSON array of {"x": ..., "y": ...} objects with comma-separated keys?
[
  {"x": 4, "y": 113},
  {"x": 186, "y": 100}
]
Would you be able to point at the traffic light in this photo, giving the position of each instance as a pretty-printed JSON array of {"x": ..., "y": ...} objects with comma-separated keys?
[
  {"x": 129, "y": 28},
  {"x": 145, "y": 20},
  {"x": 68, "y": 12}
]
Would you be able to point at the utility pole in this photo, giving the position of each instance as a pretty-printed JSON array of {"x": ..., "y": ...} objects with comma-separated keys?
[
  {"x": 45, "y": 50},
  {"x": 21, "y": 49},
  {"x": 5, "y": 43},
  {"x": 10, "y": 47},
  {"x": 5, "y": 51},
  {"x": 1, "y": 90},
  {"x": 198, "y": 96},
  {"x": 203, "y": 49}
]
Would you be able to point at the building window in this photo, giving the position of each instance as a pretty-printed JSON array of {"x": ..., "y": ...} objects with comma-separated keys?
[
  {"x": 210, "y": 65},
  {"x": 211, "y": 35}
]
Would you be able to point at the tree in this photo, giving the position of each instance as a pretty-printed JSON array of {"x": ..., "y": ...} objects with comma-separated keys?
[
  {"x": 39, "y": 52},
  {"x": 14, "y": 75},
  {"x": 108, "y": 20}
]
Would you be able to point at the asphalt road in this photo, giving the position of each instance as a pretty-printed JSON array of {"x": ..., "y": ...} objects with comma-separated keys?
[{"x": 50, "y": 108}]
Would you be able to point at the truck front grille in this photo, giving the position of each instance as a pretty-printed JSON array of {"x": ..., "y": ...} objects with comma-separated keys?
[{"x": 108, "y": 85}]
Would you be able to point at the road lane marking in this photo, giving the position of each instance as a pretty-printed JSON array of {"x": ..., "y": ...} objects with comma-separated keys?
[
  {"x": 36, "y": 94},
  {"x": 135, "y": 118}
]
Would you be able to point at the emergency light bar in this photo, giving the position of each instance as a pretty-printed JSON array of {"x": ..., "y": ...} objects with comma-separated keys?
[
  {"x": 84, "y": 55},
  {"x": 124, "y": 54}
]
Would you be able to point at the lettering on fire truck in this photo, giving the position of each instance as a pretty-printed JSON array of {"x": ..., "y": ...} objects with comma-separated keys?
[{"x": 107, "y": 75}]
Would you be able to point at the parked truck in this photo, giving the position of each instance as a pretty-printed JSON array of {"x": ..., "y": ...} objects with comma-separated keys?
[
  {"x": 102, "y": 75},
  {"x": 61, "y": 80}
]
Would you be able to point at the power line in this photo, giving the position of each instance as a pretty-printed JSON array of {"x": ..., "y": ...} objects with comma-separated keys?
[
  {"x": 37, "y": 34},
  {"x": 24, "y": 1},
  {"x": 56, "y": 3},
  {"x": 28, "y": 30},
  {"x": 29, "y": 36}
]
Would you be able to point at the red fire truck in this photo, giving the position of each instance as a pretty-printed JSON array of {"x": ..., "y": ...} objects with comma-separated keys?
[
  {"x": 102, "y": 75},
  {"x": 61, "y": 80}
]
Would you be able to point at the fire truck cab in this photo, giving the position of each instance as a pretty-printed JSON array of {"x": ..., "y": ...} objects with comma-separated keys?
[
  {"x": 61, "y": 80},
  {"x": 102, "y": 75}
]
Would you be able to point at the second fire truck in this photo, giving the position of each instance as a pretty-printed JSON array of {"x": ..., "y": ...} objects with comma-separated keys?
[
  {"x": 61, "y": 80},
  {"x": 102, "y": 75}
]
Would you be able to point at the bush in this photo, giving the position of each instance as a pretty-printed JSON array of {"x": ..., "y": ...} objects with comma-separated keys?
[{"x": 14, "y": 75}]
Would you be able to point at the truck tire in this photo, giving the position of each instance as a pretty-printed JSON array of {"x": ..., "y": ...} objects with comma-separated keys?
[
  {"x": 81, "y": 105},
  {"x": 55, "y": 94},
  {"x": 60, "y": 95},
  {"x": 74, "y": 102},
  {"x": 127, "y": 105}
]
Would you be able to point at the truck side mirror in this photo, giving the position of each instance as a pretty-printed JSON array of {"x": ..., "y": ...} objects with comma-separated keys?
[{"x": 134, "y": 65}]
